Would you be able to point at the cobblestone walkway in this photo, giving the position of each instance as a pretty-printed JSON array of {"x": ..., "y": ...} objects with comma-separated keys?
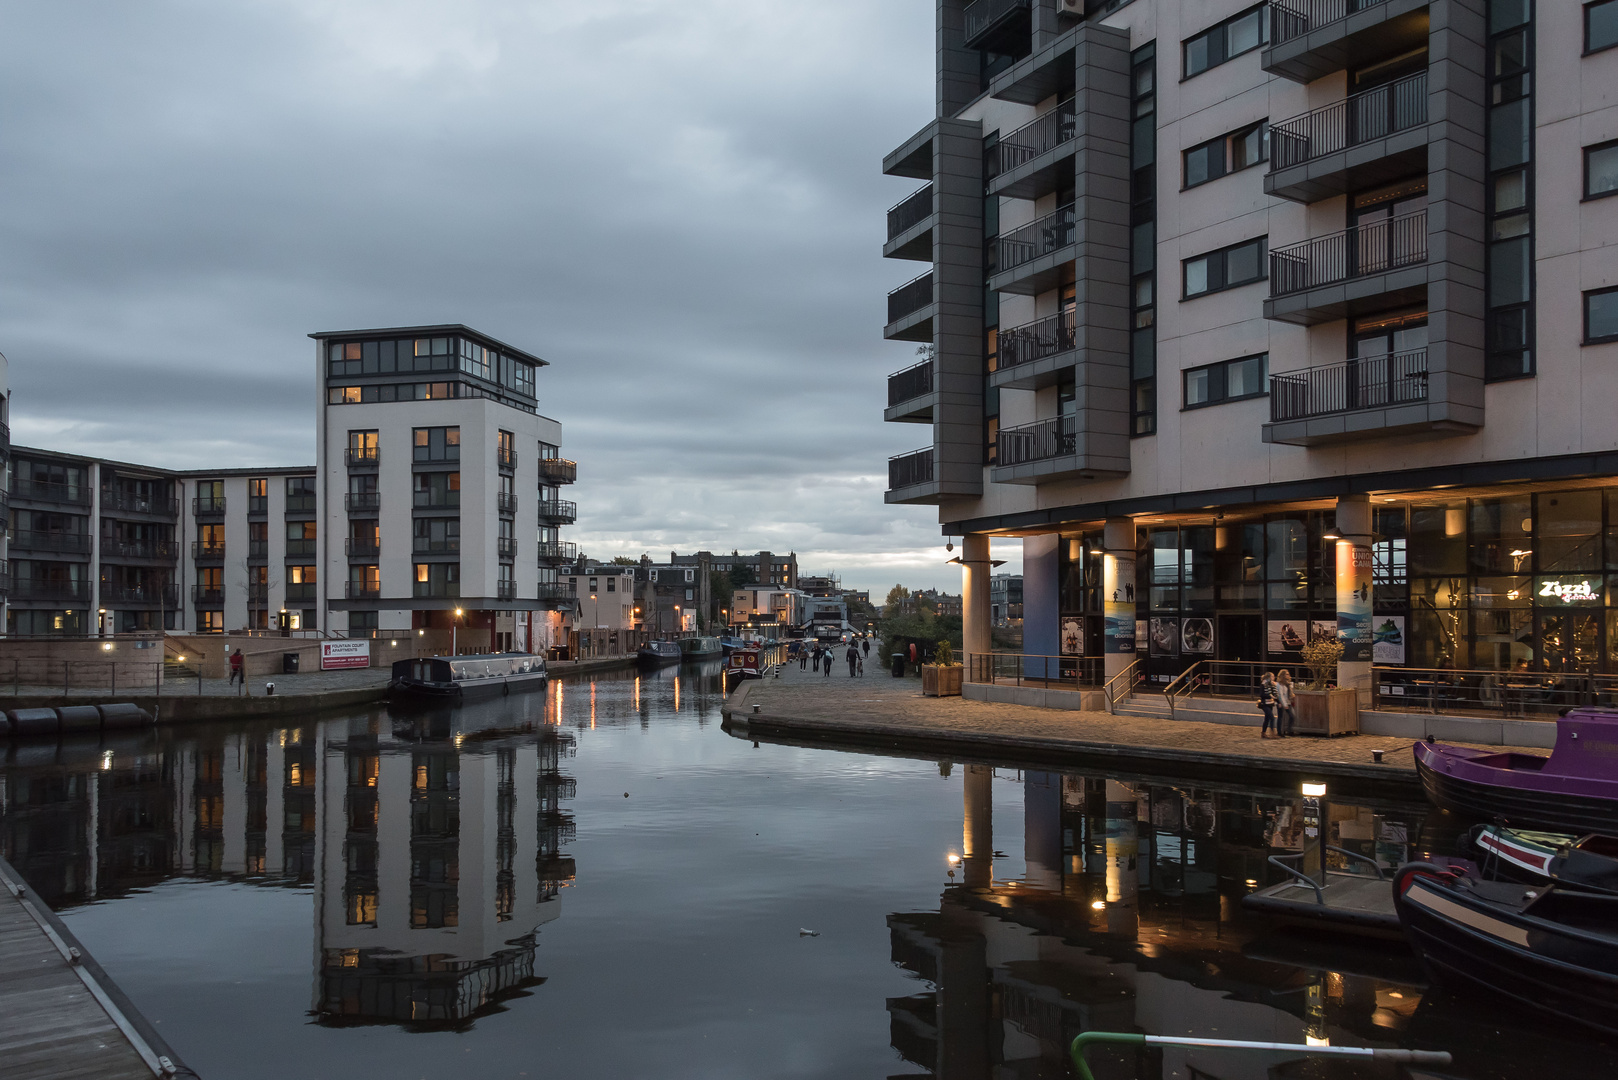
[{"x": 879, "y": 703}]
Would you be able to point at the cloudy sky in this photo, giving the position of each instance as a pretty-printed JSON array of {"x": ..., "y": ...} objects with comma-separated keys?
[{"x": 679, "y": 205}]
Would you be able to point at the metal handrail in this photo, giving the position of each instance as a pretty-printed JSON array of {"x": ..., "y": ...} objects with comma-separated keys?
[
  {"x": 987, "y": 667},
  {"x": 915, "y": 467},
  {"x": 910, "y": 210},
  {"x": 981, "y": 15},
  {"x": 1380, "y": 876},
  {"x": 1169, "y": 690},
  {"x": 1529, "y": 695},
  {"x": 912, "y": 382},
  {"x": 1294, "y": 18},
  {"x": 1043, "y": 133},
  {"x": 1358, "y": 118},
  {"x": 1041, "y": 236},
  {"x": 1373, "y": 247},
  {"x": 1054, "y": 437},
  {"x": 1036, "y": 340},
  {"x": 1109, "y": 688},
  {"x": 1368, "y": 382},
  {"x": 910, "y": 297},
  {"x": 1276, "y": 860}
]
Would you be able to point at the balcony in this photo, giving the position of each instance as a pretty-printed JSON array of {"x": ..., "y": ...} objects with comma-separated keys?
[
  {"x": 300, "y": 548},
  {"x": 160, "y": 550},
  {"x": 1055, "y": 449},
  {"x": 991, "y": 22},
  {"x": 1361, "y": 142},
  {"x": 505, "y": 457},
  {"x": 506, "y": 547},
  {"x": 33, "y": 540},
  {"x": 359, "y": 549},
  {"x": 130, "y": 502},
  {"x": 1030, "y": 257},
  {"x": 50, "y": 590},
  {"x": 258, "y": 505},
  {"x": 1313, "y": 38},
  {"x": 1024, "y": 164},
  {"x": 437, "y": 500},
  {"x": 506, "y": 502},
  {"x": 166, "y": 596},
  {"x": 1377, "y": 264},
  {"x": 910, "y": 395},
  {"x": 557, "y": 512},
  {"x": 553, "y": 590},
  {"x": 208, "y": 595},
  {"x": 301, "y": 502},
  {"x": 423, "y": 545},
  {"x": 1369, "y": 397},
  {"x": 207, "y": 550},
  {"x": 40, "y": 491},
  {"x": 258, "y": 550},
  {"x": 557, "y": 552},
  {"x": 1042, "y": 440},
  {"x": 910, "y": 310},
  {"x": 362, "y": 590},
  {"x": 436, "y": 590},
  {"x": 1034, "y": 354},
  {"x": 505, "y": 590},
  {"x": 360, "y": 457},
  {"x": 208, "y": 505},
  {"x": 258, "y": 594},
  {"x": 301, "y": 592},
  {"x": 908, "y": 470},
  {"x": 558, "y": 470},
  {"x": 363, "y": 502},
  {"x": 910, "y": 232}
]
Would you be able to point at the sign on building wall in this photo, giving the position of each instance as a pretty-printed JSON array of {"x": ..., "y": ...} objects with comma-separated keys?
[
  {"x": 1072, "y": 637},
  {"x": 1118, "y": 586},
  {"x": 1388, "y": 640},
  {"x": 1354, "y": 601},
  {"x": 345, "y": 654},
  {"x": 1197, "y": 637}
]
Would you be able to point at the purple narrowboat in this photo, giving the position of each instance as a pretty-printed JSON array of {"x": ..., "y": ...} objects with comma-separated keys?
[{"x": 1574, "y": 790}]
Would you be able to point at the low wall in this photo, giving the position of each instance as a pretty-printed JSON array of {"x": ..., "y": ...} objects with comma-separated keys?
[
  {"x": 1039, "y": 697},
  {"x": 126, "y": 661}
]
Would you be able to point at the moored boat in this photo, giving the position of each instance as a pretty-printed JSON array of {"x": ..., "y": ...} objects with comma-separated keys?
[
  {"x": 657, "y": 653},
  {"x": 743, "y": 663},
  {"x": 1574, "y": 790},
  {"x": 458, "y": 678},
  {"x": 1587, "y": 862},
  {"x": 700, "y": 648},
  {"x": 1552, "y": 949}
]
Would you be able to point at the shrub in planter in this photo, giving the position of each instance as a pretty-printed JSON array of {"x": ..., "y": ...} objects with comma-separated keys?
[{"x": 942, "y": 679}]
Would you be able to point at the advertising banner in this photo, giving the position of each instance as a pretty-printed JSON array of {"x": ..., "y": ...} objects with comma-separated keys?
[
  {"x": 1197, "y": 637},
  {"x": 1354, "y": 600},
  {"x": 1388, "y": 640},
  {"x": 352, "y": 653},
  {"x": 1118, "y": 588},
  {"x": 1072, "y": 637}
]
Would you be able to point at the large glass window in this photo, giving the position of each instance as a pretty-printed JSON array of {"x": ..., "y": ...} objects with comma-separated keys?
[
  {"x": 1225, "y": 41},
  {"x": 1241, "y": 264},
  {"x": 1600, "y": 25},
  {"x": 1569, "y": 531},
  {"x": 438, "y": 444},
  {"x": 1600, "y": 316}
]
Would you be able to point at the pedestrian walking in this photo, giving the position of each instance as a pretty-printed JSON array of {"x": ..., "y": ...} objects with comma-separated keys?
[
  {"x": 1286, "y": 717},
  {"x": 236, "y": 669},
  {"x": 803, "y": 658},
  {"x": 866, "y": 646},
  {"x": 830, "y": 655},
  {"x": 853, "y": 658},
  {"x": 862, "y": 667},
  {"x": 1266, "y": 702}
]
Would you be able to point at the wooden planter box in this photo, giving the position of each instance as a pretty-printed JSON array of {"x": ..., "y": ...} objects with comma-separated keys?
[
  {"x": 1327, "y": 712},
  {"x": 940, "y": 681}
]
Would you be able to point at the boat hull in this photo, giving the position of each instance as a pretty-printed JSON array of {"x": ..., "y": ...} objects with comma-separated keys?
[
  {"x": 405, "y": 690},
  {"x": 1519, "y": 806},
  {"x": 655, "y": 660}
]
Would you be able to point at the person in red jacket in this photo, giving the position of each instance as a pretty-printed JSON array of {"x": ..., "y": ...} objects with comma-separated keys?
[{"x": 236, "y": 668}]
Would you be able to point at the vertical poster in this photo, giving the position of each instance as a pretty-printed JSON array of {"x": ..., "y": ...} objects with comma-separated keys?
[
  {"x": 1165, "y": 637},
  {"x": 1118, "y": 592},
  {"x": 1354, "y": 600},
  {"x": 1285, "y": 637},
  {"x": 1388, "y": 639},
  {"x": 1140, "y": 633},
  {"x": 1197, "y": 637},
  {"x": 1073, "y": 637}
]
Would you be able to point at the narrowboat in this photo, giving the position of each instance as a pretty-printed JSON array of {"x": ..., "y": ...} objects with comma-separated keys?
[
  {"x": 700, "y": 648},
  {"x": 1575, "y": 790},
  {"x": 1551, "y": 949},
  {"x": 743, "y": 663},
  {"x": 462, "y": 678},
  {"x": 655, "y": 654},
  {"x": 1585, "y": 862}
]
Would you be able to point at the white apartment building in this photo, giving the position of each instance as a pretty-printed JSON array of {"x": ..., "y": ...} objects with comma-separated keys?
[{"x": 1257, "y": 322}]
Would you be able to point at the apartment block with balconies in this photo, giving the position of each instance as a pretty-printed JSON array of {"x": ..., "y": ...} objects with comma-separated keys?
[{"x": 1199, "y": 272}]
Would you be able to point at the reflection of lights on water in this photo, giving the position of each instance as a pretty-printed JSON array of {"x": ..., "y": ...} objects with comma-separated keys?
[
  {"x": 1310, "y": 1040},
  {"x": 106, "y": 760},
  {"x": 592, "y": 705},
  {"x": 1395, "y": 994},
  {"x": 1252, "y": 883},
  {"x": 637, "y": 691},
  {"x": 676, "y": 693},
  {"x": 458, "y": 740},
  {"x": 1098, "y": 905}
]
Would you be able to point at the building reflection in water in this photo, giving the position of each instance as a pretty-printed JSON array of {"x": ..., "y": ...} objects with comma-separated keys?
[
  {"x": 415, "y": 835},
  {"x": 1126, "y": 919}
]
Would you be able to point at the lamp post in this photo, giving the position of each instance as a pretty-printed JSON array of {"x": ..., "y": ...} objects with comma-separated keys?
[{"x": 454, "y": 634}]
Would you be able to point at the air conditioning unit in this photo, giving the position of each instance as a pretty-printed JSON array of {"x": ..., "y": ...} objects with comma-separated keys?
[{"x": 1070, "y": 7}]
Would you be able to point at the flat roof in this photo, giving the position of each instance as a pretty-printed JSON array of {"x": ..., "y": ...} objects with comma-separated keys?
[
  {"x": 429, "y": 331},
  {"x": 160, "y": 470}
]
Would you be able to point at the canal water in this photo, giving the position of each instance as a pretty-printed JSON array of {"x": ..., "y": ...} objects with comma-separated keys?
[{"x": 598, "y": 881}]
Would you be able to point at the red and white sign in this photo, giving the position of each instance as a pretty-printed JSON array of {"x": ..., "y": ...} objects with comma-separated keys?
[{"x": 345, "y": 654}]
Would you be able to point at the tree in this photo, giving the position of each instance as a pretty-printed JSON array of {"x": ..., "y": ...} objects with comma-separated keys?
[
  {"x": 624, "y": 560},
  {"x": 742, "y": 575},
  {"x": 719, "y": 588},
  {"x": 896, "y": 598}
]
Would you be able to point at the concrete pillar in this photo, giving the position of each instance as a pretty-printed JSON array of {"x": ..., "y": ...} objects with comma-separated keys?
[
  {"x": 975, "y": 569},
  {"x": 1042, "y": 829},
  {"x": 1046, "y": 23},
  {"x": 1118, "y": 594},
  {"x": 1041, "y": 602},
  {"x": 1354, "y": 590},
  {"x": 977, "y": 827}
]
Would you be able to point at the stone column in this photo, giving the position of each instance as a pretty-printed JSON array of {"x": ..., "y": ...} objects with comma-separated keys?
[
  {"x": 975, "y": 569},
  {"x": 1041, "y": 603},
  {"x": 1118, "y": 594},
  {"x": 1354, "y": 589}
]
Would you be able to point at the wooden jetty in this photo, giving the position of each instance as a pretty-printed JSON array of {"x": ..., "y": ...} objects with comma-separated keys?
[
  {"x": 61, "y": 1017},
  {"x": 1352, "y": 903}
]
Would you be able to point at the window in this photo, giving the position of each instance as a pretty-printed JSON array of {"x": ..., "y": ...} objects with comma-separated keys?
[
  {"x": 438, "y": 536},
  {"x": 1227, "y": 154},
  {"x": 1227, "y": 268},
  {"x": 438, "y": 444},
  {"x": 1230, "y": 380},
  {"x": 688, "y": 594},
  {"x": 1601, "y": 169},
  {"x": 343, "y": 395},
  {"x": 438, "y": 489},
  {"x": 1142, "y": 241},
  {"x": 690, "y": 575},
  {"x": 258, "y": 488},
  {"x": 1229, "y": 39},
  {"x": 301, "y": 575},
  {"x": 1509, "y": 195},
  {"x": 1600, "y": 316},
  {"x": 612, "y": 584},
  {"x": 1600, "y": 25}
]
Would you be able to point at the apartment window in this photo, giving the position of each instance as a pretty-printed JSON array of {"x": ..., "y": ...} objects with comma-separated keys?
[
  {"x": 438, "y": 489},
  {"x": 1227, "y": 154},
  {"x": 1226, "y": 41},
  {"x": 1229, "y": 380},
  {"x": 301, "y": 575},
  {"x": 1509, "y": 322},
  {"x": 438, "y": 444},
  {"x": 432, "y": 346},
  {"x": 258, "y": 488},
  {"x": 438, "y": 579},
  {"x": 651, "y": 575},
  {"x": 688, "y": 594},
  {"x": 438, "y": 535},
  {"x": 690, "y": 575},
  {"x": 211, "y": 622},
  {"x": 1601, "y": 316},
  {"x": 1240, "y": 264},
  {"x": 1600, "y": 25},
  {"x": 343, "y": 395},
  {"x": 1142, "y": 241},
  {"x": 612, "y": 584},
  {"x": 1601, "y": 169}
]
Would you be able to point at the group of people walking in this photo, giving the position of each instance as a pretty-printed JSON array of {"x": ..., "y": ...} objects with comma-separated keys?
[
  {"x": 1276, "y": 699},
  {"x": 823, "y": 655}
]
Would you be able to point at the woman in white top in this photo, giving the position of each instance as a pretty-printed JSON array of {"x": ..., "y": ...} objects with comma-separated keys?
[{"x": 1287, "y": 716}]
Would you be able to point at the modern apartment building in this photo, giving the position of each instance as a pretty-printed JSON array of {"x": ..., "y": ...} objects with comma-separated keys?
[
  {"x": 1005, "y": 600},
  {"x": 439, "y": 481},
  {"x": 1261, "y": 322}
]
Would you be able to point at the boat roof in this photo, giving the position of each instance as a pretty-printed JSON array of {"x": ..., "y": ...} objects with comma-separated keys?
[{"x": 481, "y": 656}]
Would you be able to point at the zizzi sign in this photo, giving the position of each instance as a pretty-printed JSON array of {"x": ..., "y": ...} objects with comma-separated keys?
[{"x": 1570, "y": 592}]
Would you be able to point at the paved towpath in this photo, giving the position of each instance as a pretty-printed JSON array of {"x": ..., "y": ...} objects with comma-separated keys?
[{"x": 879, "y": 706}]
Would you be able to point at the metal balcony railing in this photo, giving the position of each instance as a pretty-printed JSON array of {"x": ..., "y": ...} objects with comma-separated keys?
[
  {"x": 258, "y": 549},
  {"x": 47, "y": 589},
  {"x": 1039, "y": 441},
  {"x": 43, "y": 491},
  {"x": 258, "y": 504},
  {"x": 558, "y": 470},
  {"x": 427, "y": 546},
  {"x": 1036, "y": 340},
  {"x": 981, "y": 16},
  {"x": 913, "y": 295},
  {"x": 915, "y": 467},
  {"x": 553, "y": 590},
  {"x": 301, "y": 592},
  {"x": 557, "y": 551},
  {"x": 1045, "y": 132},
  {"x": 506, "y": 502},
  {"x": 356, "y": 501},
  {"x": 437, "y": 500},
  {"x": 1041, "y": 236},
  {"x": 153, "y": 595},
  {"x": 506, "y": 547},
  {"x": 557, "y": 512},
  {"x": 1374, "y": 247},
  {"x": 209, "y": 550},
  {"x": 114, "y": 499},
  {"x": 911, "y": 210},
  {"x": 361, "y": 456},
  {"x": 443, "y": 590},
  {"x": 139, "y": 549},
  {"x": 910, "y": 383},
  {"x": 301, "y": 502},
  {"x": 1359, "y": 118},
  {"x": 1294, "y": 18},
  {"x": 505, "y": 457},
  {"x": 34, "y": 540},
  {"x": 300, "y": 548},
  {"x": 362, "y": 590},
  {"x": 208, "y": 504},
  {"x": 258, "y": 594},
  {"x": 1369, "y": 382},
  {"x": 208, "y": 595},
  {"x": 506, "y": 590},
  {"x": 361, "y": 549}
]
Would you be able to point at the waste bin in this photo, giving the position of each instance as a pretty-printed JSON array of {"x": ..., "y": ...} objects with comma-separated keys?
[
  {"x": 898, "y": 665},
  {"x": 289, "y": 663}
]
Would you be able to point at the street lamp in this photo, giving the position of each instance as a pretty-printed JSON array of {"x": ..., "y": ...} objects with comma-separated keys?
[{"x": 454, "y": 629}]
